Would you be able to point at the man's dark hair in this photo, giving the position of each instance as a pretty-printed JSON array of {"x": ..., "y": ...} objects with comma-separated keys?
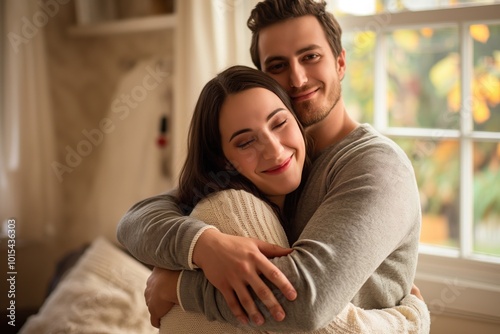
[{"x": 269, "y": 12}]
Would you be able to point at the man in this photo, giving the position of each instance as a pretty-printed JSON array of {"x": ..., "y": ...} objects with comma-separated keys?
[{"x": 355, "y": 234}]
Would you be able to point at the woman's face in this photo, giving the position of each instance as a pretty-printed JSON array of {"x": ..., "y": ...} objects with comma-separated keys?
[{"x": 261, "y": 139}]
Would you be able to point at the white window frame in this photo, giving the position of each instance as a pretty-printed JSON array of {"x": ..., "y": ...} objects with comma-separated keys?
[{"x": 453, "y": 282}]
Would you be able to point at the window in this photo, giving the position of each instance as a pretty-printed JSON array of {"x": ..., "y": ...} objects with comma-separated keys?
[
  {"x": 434, "y": 87},
  {"x": 427, "y": 74}
]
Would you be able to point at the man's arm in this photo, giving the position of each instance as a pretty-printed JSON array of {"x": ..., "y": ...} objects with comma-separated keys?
[
  {"x": 411, "y": 316},
  {"x": 156, "y": 232}
]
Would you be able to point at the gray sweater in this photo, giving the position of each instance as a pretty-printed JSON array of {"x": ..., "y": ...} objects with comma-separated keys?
[{"x": 355, "y": 237}]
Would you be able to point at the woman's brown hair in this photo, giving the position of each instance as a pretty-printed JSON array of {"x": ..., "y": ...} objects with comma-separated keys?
[{"x": 206, "y": 170}]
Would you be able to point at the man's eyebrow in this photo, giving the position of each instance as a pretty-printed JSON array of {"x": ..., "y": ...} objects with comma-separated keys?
[
  {"x": 298, "y": 52},
  {"x": 239, "y": 132}
]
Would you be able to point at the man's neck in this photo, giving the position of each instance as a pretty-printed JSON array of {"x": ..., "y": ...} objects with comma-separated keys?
[{"x": 331, "y": 130}]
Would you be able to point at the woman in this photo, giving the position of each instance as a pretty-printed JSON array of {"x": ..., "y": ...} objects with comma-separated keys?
[{"x": 245, "y": 164}]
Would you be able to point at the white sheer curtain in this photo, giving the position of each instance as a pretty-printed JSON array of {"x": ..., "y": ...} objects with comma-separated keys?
[
  {"x": 210, "y": 36},
  {"x": 29, "y": 189}
]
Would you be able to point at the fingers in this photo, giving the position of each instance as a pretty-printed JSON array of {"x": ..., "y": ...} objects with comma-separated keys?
[
  {"x": 235, "y": 266},
  {"x": 264, "y": 292},
  {"x": 273, "y": 274},
  {"x": 156, "y": 311},
  {"x": 155, "y": 321},
  {"x": 243, "y": 306},
  {"x": 271, "y": 250},
  {"x": 267, "y": 297},
  {"x": 159, "y": 286},
  {"x": 416, "y": 291},
  {"x": 153, "y": 318},
  {"x": 235, "y": 306},
  {"x": 248, "y": 304}
]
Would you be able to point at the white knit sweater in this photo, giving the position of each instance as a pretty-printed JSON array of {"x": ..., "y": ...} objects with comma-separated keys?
[{"x": 237, "y": 212}]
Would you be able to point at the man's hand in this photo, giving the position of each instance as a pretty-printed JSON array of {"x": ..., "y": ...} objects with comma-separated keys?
[
  {"x": 416, "y": 292},
  {"x": 233, "y": 264},
  {"x": 161, "y": 293}
]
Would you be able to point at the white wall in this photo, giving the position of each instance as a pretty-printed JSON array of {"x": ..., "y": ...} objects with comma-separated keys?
[{"x": 84, "y": 74}]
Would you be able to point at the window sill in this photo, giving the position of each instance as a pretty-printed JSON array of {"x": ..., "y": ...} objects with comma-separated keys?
[{"x": 459, "y": 287}]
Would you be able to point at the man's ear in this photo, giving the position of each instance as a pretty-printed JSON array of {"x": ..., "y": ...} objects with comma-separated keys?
[{"x": 341, "y": 65}]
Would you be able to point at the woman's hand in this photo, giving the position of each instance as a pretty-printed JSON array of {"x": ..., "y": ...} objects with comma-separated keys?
[
  {"x": 161, "y": 293},
  {"x": 233, "y": 264}
]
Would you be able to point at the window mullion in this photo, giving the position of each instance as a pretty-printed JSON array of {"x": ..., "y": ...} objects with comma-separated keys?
[{"x": 466, "y": 144}]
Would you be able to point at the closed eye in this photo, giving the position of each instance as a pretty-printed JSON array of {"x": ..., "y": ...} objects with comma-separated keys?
[
  {"x": 280, "y": 124},
  {"x": 245, "y": 144}
]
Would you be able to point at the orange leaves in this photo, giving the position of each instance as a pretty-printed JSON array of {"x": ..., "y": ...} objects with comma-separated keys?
[
  {"x": 409, "y": 40},
  {"x": 444, "y": 75},
  {"x": 486, "y": 92},
  {"x": 480, "y": 32}
]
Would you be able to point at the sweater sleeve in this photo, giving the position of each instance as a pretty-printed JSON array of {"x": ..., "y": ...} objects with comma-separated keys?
[
  {"x": 240, "y": 213},
  {"x": 155, "y": 232},
  {"x": 411, "y": 316}
]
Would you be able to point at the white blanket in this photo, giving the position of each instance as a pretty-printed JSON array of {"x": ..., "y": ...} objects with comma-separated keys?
[{"x": 103, "y": 293}]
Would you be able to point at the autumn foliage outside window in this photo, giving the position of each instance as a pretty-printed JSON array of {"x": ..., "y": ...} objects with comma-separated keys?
[{"x": 423, "y": 80}]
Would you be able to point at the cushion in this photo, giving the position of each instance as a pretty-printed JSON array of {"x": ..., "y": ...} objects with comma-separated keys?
[{"x": 102, "y": 293}]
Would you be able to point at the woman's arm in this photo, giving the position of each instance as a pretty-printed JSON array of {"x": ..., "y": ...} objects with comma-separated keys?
[{"x": 410, "y": 316}]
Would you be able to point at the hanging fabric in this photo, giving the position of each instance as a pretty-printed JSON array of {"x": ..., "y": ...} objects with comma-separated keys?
[{"x": 29, "y": 189}]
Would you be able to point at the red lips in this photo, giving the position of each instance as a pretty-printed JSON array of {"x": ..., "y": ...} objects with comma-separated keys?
[{"x": 280, "y": 168}]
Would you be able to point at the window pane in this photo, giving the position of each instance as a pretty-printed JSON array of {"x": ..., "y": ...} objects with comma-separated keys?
[
  {"x": 486, "y": 84},
  {"x": 487, "y": 198},
  {"x": 358, "y": 82},
  {"x": 370, "y": 7},
  {"x": 436, "y": 165},
  {"x": 423, "y": 78}
]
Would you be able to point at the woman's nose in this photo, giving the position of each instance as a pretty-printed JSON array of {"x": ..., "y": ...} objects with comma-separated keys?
[{"x": 271, "y": 147}]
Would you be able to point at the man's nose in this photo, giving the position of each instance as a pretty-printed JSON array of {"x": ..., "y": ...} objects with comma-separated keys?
[{"x": 298, "y": 76}]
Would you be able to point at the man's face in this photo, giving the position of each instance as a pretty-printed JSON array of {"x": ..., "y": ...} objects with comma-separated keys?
[{"x": 296, "y": 53}]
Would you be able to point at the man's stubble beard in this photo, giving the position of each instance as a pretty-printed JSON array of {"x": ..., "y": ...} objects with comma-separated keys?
[{"x": 309, "y": 115}]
